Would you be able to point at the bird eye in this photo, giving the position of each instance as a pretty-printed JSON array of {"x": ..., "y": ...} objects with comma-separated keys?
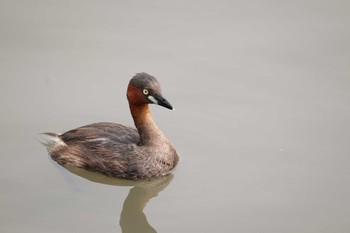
[{"x": 145, "y": 91}]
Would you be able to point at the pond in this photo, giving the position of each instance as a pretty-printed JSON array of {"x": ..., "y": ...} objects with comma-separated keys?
[{"x": 262, "y": 121}]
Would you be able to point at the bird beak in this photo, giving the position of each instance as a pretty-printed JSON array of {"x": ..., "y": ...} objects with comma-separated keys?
[{"x": 160, "y": 100}]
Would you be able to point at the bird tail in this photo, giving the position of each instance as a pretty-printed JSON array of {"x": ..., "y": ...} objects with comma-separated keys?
[{"x": 50, "y": 140}]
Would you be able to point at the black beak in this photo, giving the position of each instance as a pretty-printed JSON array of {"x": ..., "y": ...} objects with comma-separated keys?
[{"x": 160, "y": 100}]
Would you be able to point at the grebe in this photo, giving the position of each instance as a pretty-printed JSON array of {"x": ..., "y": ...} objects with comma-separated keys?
[{"x": 119, "y": 150}]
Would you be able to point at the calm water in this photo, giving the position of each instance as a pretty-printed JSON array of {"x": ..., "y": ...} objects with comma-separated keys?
[{"x": 262, "y": 121}]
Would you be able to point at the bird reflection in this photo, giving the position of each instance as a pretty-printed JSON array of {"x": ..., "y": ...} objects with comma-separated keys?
[{"x": 132, "y": 217}]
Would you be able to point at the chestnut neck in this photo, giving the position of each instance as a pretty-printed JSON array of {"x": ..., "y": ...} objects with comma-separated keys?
[{"x": 149, "y": 132}]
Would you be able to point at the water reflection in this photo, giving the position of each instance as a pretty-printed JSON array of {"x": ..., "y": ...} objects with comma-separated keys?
[{"x": 132, "y": 217}]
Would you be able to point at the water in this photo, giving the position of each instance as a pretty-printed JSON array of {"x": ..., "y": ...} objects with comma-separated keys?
[{"x": 261, "y": 91}]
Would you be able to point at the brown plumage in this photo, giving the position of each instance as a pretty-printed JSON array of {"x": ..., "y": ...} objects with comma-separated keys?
[{"x": 118, "y": 150}]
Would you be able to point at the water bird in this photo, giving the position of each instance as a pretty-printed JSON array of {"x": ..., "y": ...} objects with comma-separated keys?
[{"x": 119, "y": 150}]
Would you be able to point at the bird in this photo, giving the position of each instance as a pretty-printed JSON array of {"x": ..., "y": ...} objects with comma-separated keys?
[{"x": 118, "y": 150}]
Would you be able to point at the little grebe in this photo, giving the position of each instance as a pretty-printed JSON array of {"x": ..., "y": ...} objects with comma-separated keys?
[{"x": 118, "y": 150}]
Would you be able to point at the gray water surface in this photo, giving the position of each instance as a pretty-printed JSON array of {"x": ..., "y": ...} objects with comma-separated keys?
[{"x": 262, "y": 121}]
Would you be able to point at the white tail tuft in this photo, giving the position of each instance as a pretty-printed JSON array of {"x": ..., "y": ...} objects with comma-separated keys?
[{"x": 50, "y": 140}]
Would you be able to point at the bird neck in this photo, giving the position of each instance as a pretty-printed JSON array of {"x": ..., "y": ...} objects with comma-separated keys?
[{"x": 149, "y": 132}]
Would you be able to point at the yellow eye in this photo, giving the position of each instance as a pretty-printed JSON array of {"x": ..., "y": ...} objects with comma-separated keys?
[{"x": 145, "y": 91}]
